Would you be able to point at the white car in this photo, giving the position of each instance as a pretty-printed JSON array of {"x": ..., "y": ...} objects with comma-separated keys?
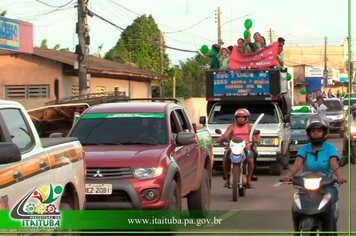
[{"x": 303, "y": 109}]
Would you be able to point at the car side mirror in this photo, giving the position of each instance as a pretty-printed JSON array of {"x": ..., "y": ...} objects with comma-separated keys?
[
  {"x": 202, "y": 120},
  {"x": 10, "y": 152},
  {"x": 185, "y": 138}
]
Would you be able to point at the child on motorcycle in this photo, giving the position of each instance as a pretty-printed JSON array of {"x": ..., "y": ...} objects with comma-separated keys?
[
  {"x": 318, "y": 155},
  {"x": 240, "y": 129}
]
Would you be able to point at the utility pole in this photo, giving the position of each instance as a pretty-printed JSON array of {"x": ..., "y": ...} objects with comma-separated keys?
[
  {"x": 325, "y": 74},
  {"x": 271, "y": 35},
  {"x": 161, "y": 63},
  {"x": 81, "y": 49},
  {"x": 219, "y": 28}
]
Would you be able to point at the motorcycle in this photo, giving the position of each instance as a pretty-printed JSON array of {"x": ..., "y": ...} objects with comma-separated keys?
[
  {"x": 352, "y": 143},
  {"x": 312, "y": 208},
  {"x": 238, "y": 154}
]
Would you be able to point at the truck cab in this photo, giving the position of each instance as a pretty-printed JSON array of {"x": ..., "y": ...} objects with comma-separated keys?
[{"x": 259, "y": 92}]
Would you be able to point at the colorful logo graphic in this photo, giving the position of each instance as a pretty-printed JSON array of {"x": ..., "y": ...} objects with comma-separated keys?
[{"x": 37, "y": 209}]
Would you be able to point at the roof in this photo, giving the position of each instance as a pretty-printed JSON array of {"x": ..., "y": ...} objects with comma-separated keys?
[
  {"x": 94, "y": 64},
  {"x": 131, "y": 107}
]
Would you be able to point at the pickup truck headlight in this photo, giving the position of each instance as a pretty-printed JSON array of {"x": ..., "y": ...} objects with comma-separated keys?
[
  {"x": 269, "y": 141},
  {"x": 146, "y": 172}
]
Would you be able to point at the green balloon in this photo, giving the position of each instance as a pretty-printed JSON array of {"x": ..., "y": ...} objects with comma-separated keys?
[
  {"x": 248, "y": 24},
  {"x": 304, "y": 109},
  {"x": 289, "y": 77},
  {"x": 303, "y": 91},
  {"x": 341, "y": 94},
  {"x": 245, "y": 34},
  {"x": 204, "y": 49},
  {"x": 352, "y": 96}
]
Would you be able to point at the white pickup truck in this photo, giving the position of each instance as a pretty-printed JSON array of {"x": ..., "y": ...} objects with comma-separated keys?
[{"x": 38, "y": 176}]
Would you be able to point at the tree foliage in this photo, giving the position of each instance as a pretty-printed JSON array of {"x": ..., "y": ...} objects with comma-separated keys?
[
  {"x": 44, "y": 44},
  {"x": 133, "y": 49}
]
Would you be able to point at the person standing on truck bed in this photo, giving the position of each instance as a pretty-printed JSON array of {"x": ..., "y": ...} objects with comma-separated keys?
[
  {"x": 241, "y": 49},
  {"x": 224, "y": 59},
  {"x": 214, "y": 64},
  {"x": 257, "y": 44},
  {"x": 240, "y": 129}
]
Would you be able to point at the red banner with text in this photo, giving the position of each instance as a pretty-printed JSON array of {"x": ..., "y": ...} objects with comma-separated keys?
[{"x": 261, "y": 59}]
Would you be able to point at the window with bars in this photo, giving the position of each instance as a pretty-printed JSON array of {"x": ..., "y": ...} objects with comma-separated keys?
[{"x": 26, "y": 91}]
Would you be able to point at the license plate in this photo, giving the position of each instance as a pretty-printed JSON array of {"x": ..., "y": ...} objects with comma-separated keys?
[{"x": 98, "y": 189}]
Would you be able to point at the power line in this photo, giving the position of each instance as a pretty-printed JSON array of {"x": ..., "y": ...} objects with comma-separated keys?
[
  {"x": 137, "y": 36},
  {"x": 188, "y": 27},
  {"x": 54, "y": 6}
]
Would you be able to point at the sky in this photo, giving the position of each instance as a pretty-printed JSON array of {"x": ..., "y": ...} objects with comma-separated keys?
[{"x": 189, "y": 24}]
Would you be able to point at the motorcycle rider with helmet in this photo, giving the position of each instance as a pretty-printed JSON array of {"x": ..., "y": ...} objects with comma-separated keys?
[
  {"x": 240, "y": 129},
  {"x": 345, "y": 126},
  {"x": 318, "y": 155}
]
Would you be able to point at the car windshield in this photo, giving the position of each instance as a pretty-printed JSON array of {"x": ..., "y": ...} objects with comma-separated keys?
[
  {"x": 224, "y": 113},
  {"x": 336, "y": 105},
  {"x": 298, "y": 122},
  {"x": 116, "y": 129},
  {"x": 346, "y": 102}
]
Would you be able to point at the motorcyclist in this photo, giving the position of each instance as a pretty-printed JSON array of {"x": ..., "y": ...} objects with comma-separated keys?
[
  {"x": 318, "y": 155},
  {"x": 240, "y": 129},
  {"x": 345, "y": 125}
]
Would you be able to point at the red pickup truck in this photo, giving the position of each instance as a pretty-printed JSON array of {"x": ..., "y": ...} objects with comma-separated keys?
[{"x": 144, "y": 155}]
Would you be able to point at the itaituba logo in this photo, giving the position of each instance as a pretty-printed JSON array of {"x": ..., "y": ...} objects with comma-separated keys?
[{"x": 37, "y": 209}]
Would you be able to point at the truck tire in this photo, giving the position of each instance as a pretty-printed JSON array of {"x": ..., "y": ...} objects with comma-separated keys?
[
  {"x": 174, "y": 197},
  {"x": 353, "y": 154},
  {"x": 66, "y": 207},
  {"x": 275, "y": 168},
  {"x": 199, "y": 200},
  {"x": 235, "y": 180},
  {"x": 287, "y": 155}
]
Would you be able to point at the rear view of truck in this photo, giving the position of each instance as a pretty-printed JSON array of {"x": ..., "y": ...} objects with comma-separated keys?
[{"x": 259, "y": 91}]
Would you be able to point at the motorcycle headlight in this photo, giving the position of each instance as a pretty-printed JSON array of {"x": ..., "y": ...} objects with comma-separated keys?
[
  {"x": 353, "y": 129},
  {"x": 236, "y": 149},
  {"x": 312, "y": 183},
  {"x": 326, "y": 199},
  {"x": 146, "y": 172}
]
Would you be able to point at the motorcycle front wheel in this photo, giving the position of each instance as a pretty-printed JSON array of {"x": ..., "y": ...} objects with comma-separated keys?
[
  {"x": 235, "y": 180},
  {"x": 315, "y": 232}
]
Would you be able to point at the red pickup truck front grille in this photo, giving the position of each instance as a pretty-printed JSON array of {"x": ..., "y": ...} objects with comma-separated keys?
[
  {"x": 116, "y": 196},
  {"x": 108, "y": 173}
]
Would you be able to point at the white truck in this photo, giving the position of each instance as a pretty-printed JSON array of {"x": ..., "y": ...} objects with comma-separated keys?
[
  {"x": 48, "y": 172},
  {"x": 259, "y": 91}
]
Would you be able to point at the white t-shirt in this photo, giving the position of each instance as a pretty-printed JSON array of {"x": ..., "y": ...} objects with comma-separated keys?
[
  {"x": 352, "y": 121},
  {"x": 321, "y": 110}
]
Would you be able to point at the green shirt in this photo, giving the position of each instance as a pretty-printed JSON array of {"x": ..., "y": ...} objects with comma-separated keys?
[
  {"x": 254, "y": 47},
  {"x": 214, "y": 64}
]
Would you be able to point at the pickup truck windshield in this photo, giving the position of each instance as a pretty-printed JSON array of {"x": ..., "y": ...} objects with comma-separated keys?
[
  {"x": 121, "y": 131},
  {"x": 223, "y": 113}
]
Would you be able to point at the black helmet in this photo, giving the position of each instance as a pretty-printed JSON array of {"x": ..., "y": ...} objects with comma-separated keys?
[
  {"x": 353, "y": 108},
  {"x": 316, "y": 122}
]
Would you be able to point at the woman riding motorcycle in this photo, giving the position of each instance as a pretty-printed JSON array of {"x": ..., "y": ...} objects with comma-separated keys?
[
  {"x": 240, "y": 129},
  {"x": 318, "y": 155}
]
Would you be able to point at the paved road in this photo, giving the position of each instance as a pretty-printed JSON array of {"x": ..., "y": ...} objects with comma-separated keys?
[{"x": 267, "y": 207}]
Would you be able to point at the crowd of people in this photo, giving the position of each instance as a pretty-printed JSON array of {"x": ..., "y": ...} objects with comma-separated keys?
[{"x": 221, "y": 57}]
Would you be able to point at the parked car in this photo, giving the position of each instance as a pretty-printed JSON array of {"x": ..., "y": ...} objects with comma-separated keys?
[
  {"x": 29, "y": 162},
  {"x": 335, "y": 115},
  {"x": 298, "y": 133},
  {"x": 144, "y": 156},
  {"x": 303, "y": 109},
  {"x": 346, "y": 104}
]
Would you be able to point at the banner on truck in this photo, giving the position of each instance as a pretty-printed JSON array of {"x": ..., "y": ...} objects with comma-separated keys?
[
  {"x": 261, "y": 59},
  {"x": 235, "y": 83}
]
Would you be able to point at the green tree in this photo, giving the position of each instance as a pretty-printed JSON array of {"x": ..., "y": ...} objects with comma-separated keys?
[
  {"x": 44, "y": 44},
  {"x": 3, "y": 13},
  {"x": 133, "y": 48},
  {"x": 193, "y": 74}
]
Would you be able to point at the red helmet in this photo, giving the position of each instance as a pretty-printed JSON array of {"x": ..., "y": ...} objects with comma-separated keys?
[{"x": 242, "y": 112}]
